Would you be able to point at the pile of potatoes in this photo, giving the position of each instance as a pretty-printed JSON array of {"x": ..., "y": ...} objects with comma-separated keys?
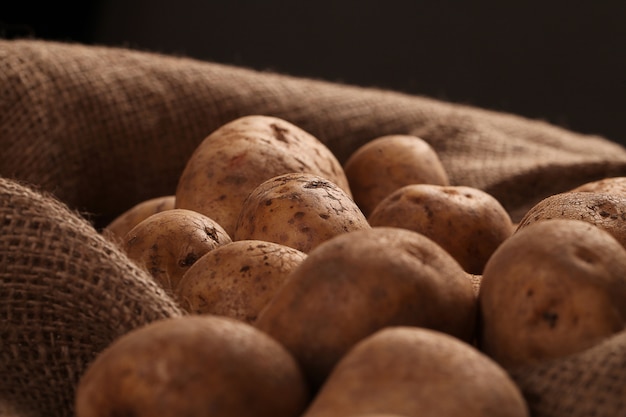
[{"x": 372, "y": 288}]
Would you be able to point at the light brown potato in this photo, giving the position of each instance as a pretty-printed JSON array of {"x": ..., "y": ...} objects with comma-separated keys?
[
  {"x": 237, "y": 279},
  {"x": 553, "y": 289},
  {"x": 414, "y": 371},
  {"x": 193, "y": 366},
  {"x": 358, "y": 282},
  {"x": 166, "y": 244},
  {"x": 467, "y": 222},
  {"x": 243, "y": 153},
  {"x": 299, "y": 210},
  {"x": 118, "y": 227},
  {"x": 603, "y": 210},
  {"x": 384, "y": 164},
  {"x": 609, "y": 185}
]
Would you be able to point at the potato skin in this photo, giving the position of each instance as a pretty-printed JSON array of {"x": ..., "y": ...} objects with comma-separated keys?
[
  {"x": 358, "y": 282},
  {"x": 384, "y": 164},
  {"x": 167, "y": 243},
  {"x": 553, "y": 289},
  {"x": 609, "y": 185},
  {"x": 230, "y": 162},
  {"x": 467, "y": 222},
  {"x": 413, "y": 371},
  {"x": 237, "y": 279},
  {"x": 118, "y": 227},
  {"x": 193, "y": 366},
  {"x": 299, "y": 210}
]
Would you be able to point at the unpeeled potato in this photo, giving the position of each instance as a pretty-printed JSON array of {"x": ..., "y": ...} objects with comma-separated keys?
[
  {"x": 356, "y": 283},
  {"x": 237, "y": 279},
  {"x": 609, "y": 185},
  {"x": 299, "y": 210},
  {"x": 412, "y": 371},
  {"x": 467, "y": 222},
  {"x": 167, "y": 243},
  {"x": 193, "y": 366},
  {"x": 386, "y": 163},
  {"x": 554, "y": 288},
  {"x": 230, "y": 162},
  {"x": 118, "y": 227}
]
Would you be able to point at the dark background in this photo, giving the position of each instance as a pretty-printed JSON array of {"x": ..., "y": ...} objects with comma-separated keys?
[{"x": 564, "y": 62}]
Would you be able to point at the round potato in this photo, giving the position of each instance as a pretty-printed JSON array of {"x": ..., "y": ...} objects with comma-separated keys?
[
  {"x": 237, "y": 279},
  {"x": 603, "y": 210},
  {"x": 166, "y": 244},
  {"x": 238, "y": 156},
  {"x": 413, "y": 371},
  {"x": 384, "y": 164},
  {"x": 552, "y": 289},
  {"x": 117, "y": 229},
  {"x": 467, "y": 222},
  {"x": 299, "y": 210},
  {"x": 193, "y": 366},
  {"x": 356, "y": 283}
]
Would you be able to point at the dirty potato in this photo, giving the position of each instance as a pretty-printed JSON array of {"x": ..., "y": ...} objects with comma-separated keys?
[
  {"x": 299, "y": 210},
  {"x": 118, "y": 227}
]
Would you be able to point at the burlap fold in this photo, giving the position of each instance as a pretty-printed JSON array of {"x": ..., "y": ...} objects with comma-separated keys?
[{"x": 98, "y": 129}]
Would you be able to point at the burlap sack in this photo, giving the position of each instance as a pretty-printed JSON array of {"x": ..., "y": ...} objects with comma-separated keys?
[{"x": 97, "y": 130}]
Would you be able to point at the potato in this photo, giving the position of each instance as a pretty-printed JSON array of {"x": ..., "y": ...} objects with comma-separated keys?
[
  {"x": 166, "y": 244},
  {"x": 356, "y": 283},
  {"x": 193, "y": 366},
  {"x": 235, "y": 158},
  {"x": 609, "y": 185},
  {"x": 237, "y": 279},
  {"x": 413, "y": 371},
  {"x": 604, "y": 210},
  {"x": 381, "y": 166},
  {"x": 467, "y": 222},
  {"x": 118, "y": 227},
  {"x": 552, "y": 289},
  {"x": 299, "y": 210}
]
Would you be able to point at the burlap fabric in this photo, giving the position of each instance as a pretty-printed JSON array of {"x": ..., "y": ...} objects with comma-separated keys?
[{"x": 96, "y": 130}]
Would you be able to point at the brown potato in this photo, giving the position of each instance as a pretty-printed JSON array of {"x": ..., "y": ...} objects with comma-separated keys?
[
  {"x": 240, "y": 155},
  {"x": 467, "y": 222},
  {"x": 193, "y": 366},
  {"x": 609, "y": 185},
  {"x": 299, "y": 210},
  {"x": 606, "y": 211},
  {"x": 166, "y": 244},
  {"x": 118, "y": 227},
  {"x": 552, "y": 289},
  {"x": 358, "y": 282},
  {"x": 381, "y": 166},
  {"x": 237, "y": 279},
  {"x": 413, "y": 371}
]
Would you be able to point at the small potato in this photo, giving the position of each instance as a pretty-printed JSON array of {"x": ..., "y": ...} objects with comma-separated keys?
[
  {"x": 413, "y": 371},
  {"x": 356, "y": 283},
  {"x": 243, "y": 153},
  {"x": 383, "y": 165},
  {"x": 117, "y": 229},
  {"x": 552, "y": 289},
  {"x": 237, "y": 279},
  {"x": 299, "y": 210},
  {"x": 193, "y": 366},
  {"x": 467, "y": 222},
  {"x": 603, "y": 210},
  {"x": 166, "y": 244}
]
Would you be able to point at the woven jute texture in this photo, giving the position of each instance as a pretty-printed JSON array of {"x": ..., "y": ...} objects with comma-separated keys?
[{"x": 86, "y": 132}]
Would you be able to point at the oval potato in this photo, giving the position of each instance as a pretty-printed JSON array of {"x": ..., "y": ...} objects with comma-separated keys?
[{"x": 118, "y": 227}]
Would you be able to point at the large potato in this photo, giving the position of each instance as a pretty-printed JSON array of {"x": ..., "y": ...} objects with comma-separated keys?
[
  {"x": 384, "y": 164},
  {"x": 552, "y": 289},
  {"x": 237, "y": 279},
  {"x": 118, "y": 227},
  {"x": 238, "y": 156},
  {"x": 412, "y": 371},
  {"x": 467, "y": 222},
  {"x": 299, "y": 210},
  {"x": 356, "y": 283},
  {"x": 193, "y": 366},
  {"x": 168, "y": 243}
]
